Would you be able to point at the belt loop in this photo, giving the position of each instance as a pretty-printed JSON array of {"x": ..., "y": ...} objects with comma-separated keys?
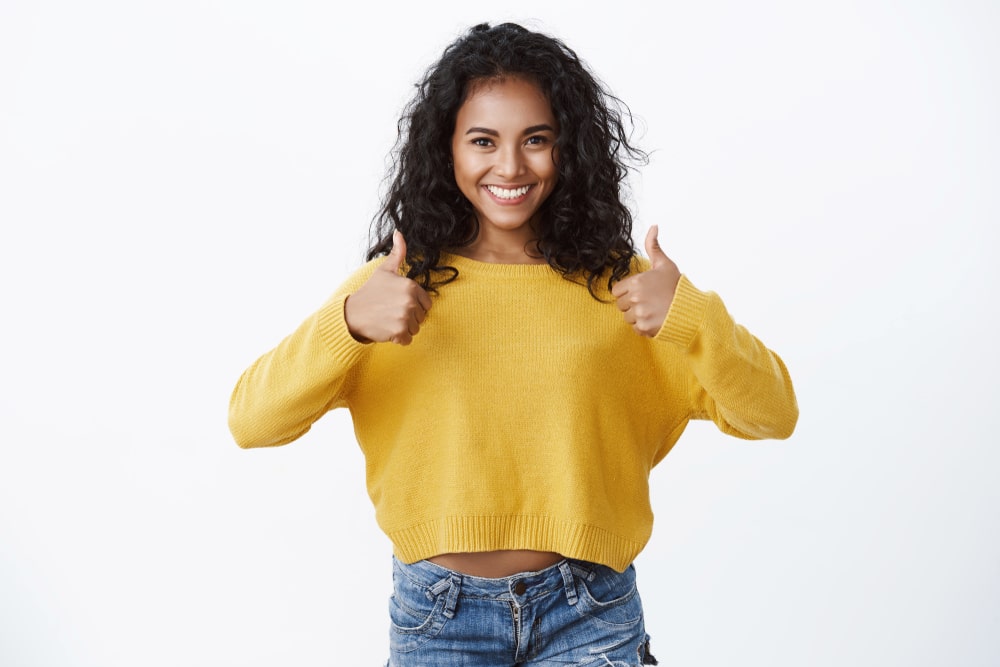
[
  {"x": 568, "y": 583},
  {"x": 452, "y": 601}
]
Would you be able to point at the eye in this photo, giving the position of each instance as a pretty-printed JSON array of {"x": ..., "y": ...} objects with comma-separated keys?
[
  {"x": 537, "y": 140},
  {"x": 483, "y": 142}
]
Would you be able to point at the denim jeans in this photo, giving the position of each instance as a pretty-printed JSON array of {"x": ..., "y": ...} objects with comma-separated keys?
[{"x": 572, "y": 613}]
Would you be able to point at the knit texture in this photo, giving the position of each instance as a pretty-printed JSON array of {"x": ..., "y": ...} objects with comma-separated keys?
[{"x": 524, "y": 415}]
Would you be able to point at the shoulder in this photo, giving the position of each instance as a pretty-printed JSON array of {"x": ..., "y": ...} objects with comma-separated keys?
[{"x": 359, "y": 276}]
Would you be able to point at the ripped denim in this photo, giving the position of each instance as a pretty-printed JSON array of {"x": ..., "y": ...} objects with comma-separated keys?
[{"x": 573, "y": 613}]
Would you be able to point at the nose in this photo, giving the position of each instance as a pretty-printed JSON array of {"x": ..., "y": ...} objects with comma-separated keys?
[{"x": 510, "y": 162}]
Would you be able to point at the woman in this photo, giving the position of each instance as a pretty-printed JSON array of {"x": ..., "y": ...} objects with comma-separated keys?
[{"x": 513, "y": 368}]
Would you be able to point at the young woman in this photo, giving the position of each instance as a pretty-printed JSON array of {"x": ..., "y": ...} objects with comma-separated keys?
[{"x": 513, "y": 368}]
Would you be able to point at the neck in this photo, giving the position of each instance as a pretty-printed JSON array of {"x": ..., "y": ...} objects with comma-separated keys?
[{"x": 500, "y": 248}]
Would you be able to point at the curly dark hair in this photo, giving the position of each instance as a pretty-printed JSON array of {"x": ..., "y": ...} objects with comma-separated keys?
[{"x": 584, "y": 228}]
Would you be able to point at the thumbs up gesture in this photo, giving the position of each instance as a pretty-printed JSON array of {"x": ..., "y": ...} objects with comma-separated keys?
[
  {"x": 389, "y": 307},
  {"x": 644, "y": 298}
]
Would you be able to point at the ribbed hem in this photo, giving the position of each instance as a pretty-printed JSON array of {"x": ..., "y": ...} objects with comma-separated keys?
[
  {"x": 687, "y": 311},
  {"x": 489, "y": 533},
  {"x": 335, "y": 334}
]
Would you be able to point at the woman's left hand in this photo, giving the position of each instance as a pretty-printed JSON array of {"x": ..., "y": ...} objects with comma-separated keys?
[{"x": 645, "y": 298}]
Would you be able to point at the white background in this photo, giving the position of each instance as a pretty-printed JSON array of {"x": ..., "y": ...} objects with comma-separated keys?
[{"x": 181, "y": 183}]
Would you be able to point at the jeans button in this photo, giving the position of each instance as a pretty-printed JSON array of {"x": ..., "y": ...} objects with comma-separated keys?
[{"x": 519, "y": 588}]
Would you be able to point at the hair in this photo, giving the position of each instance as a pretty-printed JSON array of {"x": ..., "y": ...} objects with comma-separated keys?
[{"x": 584, "y": 228}]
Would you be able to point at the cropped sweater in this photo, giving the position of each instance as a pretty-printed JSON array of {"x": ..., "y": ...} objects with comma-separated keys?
[{"x": 525, "y": 414}]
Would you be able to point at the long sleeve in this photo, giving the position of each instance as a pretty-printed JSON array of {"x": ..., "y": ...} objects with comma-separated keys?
[
  {"x": 280, "y": 396},
  {"x": 736, "y": 381},
  {"x": 517, "y": 372}
]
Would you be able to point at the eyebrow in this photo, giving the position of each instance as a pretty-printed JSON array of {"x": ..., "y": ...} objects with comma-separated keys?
[{"x": 493, "y": 133}]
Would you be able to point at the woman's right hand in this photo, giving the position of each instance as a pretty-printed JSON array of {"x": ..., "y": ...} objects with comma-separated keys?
[{"x": 388, "y": 307}]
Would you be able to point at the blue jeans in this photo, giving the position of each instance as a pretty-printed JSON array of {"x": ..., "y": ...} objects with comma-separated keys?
[{"x": 572, "y": 613}]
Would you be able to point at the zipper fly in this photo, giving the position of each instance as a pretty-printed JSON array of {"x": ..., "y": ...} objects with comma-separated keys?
[{"x": 515, "y": 611}]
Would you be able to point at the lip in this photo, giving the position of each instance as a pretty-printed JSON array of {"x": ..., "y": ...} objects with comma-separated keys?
[{"x": 508, "y": 202}]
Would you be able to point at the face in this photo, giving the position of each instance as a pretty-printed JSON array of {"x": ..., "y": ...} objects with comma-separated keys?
[{"x": 502, "y": 150}]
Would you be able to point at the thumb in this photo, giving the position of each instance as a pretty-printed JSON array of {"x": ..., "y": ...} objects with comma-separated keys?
[
  {"x": 656, "y": 255},
  {"x": 396, "y": 255}
]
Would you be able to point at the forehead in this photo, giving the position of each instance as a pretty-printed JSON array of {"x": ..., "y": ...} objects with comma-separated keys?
[{"x": 510, "y": 98}]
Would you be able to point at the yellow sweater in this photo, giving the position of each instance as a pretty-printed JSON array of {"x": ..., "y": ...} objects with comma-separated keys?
[{"x": 524, "y": 415}]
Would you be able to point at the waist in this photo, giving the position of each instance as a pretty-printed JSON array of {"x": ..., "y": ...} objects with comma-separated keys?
[
  {"x": 523, "y": 585},
  {"x": 495, "y": 564},
  {"x": 582, "y": 537}
]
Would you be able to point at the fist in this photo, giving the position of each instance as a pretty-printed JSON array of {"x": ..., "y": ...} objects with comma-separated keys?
[
  {"x": 388, "y": 307},
  {"x": 645, "y": 298}
]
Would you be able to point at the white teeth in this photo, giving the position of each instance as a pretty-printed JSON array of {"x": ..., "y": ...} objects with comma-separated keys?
[{"x": 504, "y": 193}]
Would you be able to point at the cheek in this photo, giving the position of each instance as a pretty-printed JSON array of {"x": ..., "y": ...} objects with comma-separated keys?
[
  {"x": 466, "y": 166},
  {"x": 465, "y": 177},
  {"x": 546, "y": 167}
]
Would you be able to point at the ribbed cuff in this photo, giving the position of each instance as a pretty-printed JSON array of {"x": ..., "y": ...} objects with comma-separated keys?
[
  {"x": 335, "y": 334},
  {"x": 686, "y": 314}
]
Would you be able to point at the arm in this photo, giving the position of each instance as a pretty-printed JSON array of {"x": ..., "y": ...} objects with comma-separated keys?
[
  {"x": 285, "y": 391},
  {"x": 736, "y": 381}
]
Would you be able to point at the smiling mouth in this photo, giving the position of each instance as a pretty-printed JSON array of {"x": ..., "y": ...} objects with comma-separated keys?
[{"x": 508, "y": 194}]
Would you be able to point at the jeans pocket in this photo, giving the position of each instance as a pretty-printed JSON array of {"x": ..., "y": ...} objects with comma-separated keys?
[
  {"x": 608, "y": 596},
  {"x": 416, "y": 613}
]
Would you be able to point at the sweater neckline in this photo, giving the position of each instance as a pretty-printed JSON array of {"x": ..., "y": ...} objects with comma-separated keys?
[{"x": 464, "y": 264}]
